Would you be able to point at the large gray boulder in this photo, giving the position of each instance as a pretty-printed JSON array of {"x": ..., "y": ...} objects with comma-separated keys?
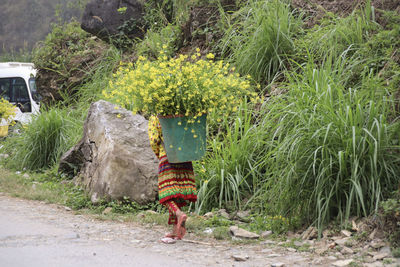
[
  {"x": 114, "y": 158},
  {"x": 102, "y": 18}
]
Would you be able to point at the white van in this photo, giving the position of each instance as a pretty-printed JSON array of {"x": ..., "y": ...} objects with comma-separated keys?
[{"x": 17, "y": 85}]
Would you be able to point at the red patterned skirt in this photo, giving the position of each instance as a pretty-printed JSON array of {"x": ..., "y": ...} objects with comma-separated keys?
[{"x": 176, "y": 182}]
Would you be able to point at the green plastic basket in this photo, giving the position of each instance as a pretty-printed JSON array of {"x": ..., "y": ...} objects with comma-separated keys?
[{"x": 184, "y": 141}]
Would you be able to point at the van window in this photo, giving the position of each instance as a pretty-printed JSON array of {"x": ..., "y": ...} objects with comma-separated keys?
[
  {"x": 32, "y": 87},
  {"x": 5, "y": 85},
  {"x": 15, "y": 91}
]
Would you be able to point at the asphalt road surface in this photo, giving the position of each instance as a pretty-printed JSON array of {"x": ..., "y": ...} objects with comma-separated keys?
[{"x": 33, "y": 234}]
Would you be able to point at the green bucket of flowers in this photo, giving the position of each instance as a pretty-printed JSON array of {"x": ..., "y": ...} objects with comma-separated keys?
[
  {"x": 184, "y": 140},
  {"x": 180, "y": 91}
]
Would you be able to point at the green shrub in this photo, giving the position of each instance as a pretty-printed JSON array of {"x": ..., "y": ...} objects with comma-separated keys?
[
  {"x": 65, "y": 60},
  {"x": 159, "y": 14},
  {"x": 217, "y": 221},
  {"x": 41, "y": 143},
  {"x": 221, "y": 233},
  {"x": 260, "y": 37},
  {"x": 77, "y": 198},
  {"x": 332, "y": 151},
  {"x": 396, "y": 252},
  {"x": 154, "y": 41},
  {"x": 380, "y": 53},
  {"x": 277, "y": 224}
]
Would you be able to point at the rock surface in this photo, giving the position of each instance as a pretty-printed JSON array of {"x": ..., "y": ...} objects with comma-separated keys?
[
  {"x": 310, "y": 233},
  {"x": 223, "y": 213},
  {"x": 266, "y": 234},
  {"x": 106, "y": 18},
  {"x": 241, "y": 233},
  {"x": 240, "y": 257},
  {"x": 243, "y": 215},
  {"x": 343, "y": 263},
  {"x": 114, "y": 159}
]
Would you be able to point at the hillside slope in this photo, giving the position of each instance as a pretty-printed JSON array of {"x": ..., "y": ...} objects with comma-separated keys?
[{"x": 24, "y": 22}]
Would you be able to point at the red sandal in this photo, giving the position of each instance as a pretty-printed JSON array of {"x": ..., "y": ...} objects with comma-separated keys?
[{"x": 168, "y": 240}]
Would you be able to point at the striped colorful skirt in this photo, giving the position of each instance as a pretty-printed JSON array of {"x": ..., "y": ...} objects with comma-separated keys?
[{"x": 176, "y": 182}]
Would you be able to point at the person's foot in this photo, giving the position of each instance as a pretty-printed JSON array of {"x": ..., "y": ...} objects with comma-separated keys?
[
  {"x": 174, "y": 233},
  {"x": 170, "y": 235}
]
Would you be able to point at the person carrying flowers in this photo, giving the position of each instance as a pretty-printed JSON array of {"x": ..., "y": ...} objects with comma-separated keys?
[
  {"x": 186, "y": 88},
  {"x": 176, "y": 183}
]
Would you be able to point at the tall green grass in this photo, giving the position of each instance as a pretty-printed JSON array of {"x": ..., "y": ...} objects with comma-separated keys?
[
  {"x": 336, "y": 35},
  {"x": 259, "y": 38},
  {"x": 100, "y": 76},
  {"x": 226, "y": 174},
  {"x": 332, "y": 151},
  {"x": 41, "y": 143}
]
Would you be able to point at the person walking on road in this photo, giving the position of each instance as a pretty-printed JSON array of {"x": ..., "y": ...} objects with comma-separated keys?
[{"x": 176, "y": 184}]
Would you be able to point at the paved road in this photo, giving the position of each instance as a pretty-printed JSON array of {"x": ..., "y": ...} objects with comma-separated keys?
[
  {"x": 28, "y": 240},
  {"x": 33, "y": 233}
]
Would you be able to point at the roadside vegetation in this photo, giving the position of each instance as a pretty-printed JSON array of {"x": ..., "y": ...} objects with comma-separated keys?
[{"x": 322, "y": 147}]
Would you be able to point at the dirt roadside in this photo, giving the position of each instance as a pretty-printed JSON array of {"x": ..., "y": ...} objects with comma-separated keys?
[{"x": 33, "y": 233}]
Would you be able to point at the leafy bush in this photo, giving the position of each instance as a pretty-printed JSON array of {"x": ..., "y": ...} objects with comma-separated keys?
[
  {"x": 7, "y": 109},
  {"x": 381, "y": 54},
  {"x": 260, "y": 37},
  {"x": 65, "y": 60},
  {"x": 43, "y": 141},
  {"x": 159, "y": 14},
  {"x": 91, "y": 90},
  {"x": 168, "y": 37}
]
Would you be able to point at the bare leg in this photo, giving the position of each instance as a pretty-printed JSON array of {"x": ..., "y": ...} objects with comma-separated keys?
[
  {"x": 173, "y": 209},
  {"x": 181, "y": 220}
]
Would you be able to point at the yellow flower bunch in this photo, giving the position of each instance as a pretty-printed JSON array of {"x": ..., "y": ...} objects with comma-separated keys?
[
  {"x": 185, "y": 85},
  {"x": 7, "y": 109}
]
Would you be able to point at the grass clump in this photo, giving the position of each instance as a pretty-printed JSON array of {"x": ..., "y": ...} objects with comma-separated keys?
[
  {"x": 226, "y": 176},
  {"x": 336, "y": 35},
  {"x": 277, "y": 224},
  {"x": 260, "y": 37},
  {"x": 331, "y": 150},
  {"x": 221, "y": 233},
  {"x": 41, "y": 143}
]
